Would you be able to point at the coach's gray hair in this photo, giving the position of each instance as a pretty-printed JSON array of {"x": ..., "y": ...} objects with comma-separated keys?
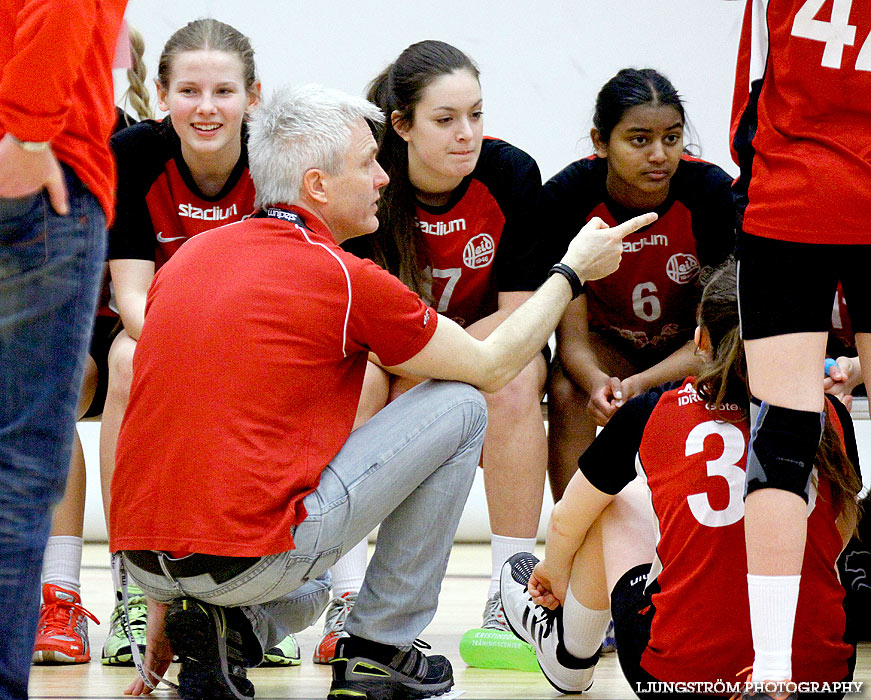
[{"x": 297, "y": 129}]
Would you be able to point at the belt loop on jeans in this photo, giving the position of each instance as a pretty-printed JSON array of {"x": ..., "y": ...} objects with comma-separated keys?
[{"x": 161, "y": 559}]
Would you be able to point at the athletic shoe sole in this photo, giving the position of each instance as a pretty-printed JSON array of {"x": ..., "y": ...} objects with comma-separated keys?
[
  {"x": 123, "y": 658},
  {"x": 54, "y": 657}
]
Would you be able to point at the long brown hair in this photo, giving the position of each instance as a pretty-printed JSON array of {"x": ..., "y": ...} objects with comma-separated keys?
[
  {"x": 724, "y": 379},
  {"x": 396, "y": 246}
]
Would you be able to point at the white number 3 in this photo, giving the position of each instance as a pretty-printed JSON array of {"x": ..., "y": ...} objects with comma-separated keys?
[
  {"x": 835, "y": 34},
  {"x": 724, "y": 466}
]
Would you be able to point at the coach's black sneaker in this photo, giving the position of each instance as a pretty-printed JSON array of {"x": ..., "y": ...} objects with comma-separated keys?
[
  {"x": 373, "y": 671},
  {"x": 542, "y": 628},
  {"x": 210, "y": 642}
]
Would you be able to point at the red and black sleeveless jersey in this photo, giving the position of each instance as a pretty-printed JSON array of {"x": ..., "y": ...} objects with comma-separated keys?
[
  {"x": 484, "y": 240},
  {"x": 649, "y": 303},
  {"x": 801, "y": 120},
  {"x": 692, "y": 456},
  {"x": 159, "y": 204}
]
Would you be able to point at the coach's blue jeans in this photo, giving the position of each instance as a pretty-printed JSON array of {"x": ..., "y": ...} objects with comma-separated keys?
[
  {"x": 50, "y": 269},
  {"x": 408, "y": 469}
]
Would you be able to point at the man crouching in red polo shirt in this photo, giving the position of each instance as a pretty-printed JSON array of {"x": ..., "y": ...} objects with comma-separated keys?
[{"x": 246, "y": 381}]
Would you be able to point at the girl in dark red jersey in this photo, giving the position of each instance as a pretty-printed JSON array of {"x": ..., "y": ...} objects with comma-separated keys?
[
  {"x": 801, "y": 129},
  {"x": 177, "y": 178},
  {"x": 684, "y": 618},
  {"x": 633, "y": 329},
  {"x": 458, "y": 226}
]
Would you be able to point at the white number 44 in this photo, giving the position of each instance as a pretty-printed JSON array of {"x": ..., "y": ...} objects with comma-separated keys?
[{"x": 835, "y": 34}]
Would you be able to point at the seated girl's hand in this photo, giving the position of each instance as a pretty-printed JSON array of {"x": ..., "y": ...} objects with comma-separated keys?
[
  {"x": 546, "y": 589},
  {"x": 605, "y": 398}
]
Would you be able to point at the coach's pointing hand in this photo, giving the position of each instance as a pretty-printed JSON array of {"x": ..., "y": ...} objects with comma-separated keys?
[{"x": 595, "y": 252}]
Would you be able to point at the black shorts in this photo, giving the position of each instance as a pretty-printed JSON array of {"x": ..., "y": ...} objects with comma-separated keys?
[
  {"x": 786, "y": 287},
  {"x": 106, "y": 329}
]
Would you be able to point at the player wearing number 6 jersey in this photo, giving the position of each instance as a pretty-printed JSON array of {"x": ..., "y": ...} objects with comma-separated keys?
[
  {"x": 677, "y": 591},
  {"x": 801, "y": 131},
  {"x": 633, "y": 329}
]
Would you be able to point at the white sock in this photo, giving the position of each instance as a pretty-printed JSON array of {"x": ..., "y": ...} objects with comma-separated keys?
[
  {"x": 62, "y": 565},
  {"x": 501, "y": 550},
  {"x": 773, "y": 602},
  {"x": 583, "y": 628},
  {"x": 349, "y": 571}
]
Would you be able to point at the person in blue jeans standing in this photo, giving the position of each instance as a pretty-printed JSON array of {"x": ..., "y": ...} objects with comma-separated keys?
[{"x": 56, "y": 187}]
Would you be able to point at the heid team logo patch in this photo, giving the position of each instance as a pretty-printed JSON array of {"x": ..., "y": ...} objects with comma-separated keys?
[
  {"x": 479, "y": 251},
  {"x": 682, "y": 268}
]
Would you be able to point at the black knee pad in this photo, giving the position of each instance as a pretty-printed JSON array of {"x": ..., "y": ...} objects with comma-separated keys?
[{"x": 783, "y": 446}]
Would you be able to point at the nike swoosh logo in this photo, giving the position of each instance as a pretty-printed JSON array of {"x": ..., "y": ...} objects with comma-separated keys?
[{"x": 161, "y": 239}]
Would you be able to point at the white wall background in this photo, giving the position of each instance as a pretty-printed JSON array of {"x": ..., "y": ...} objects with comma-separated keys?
[{"x": 541, "y": 62}]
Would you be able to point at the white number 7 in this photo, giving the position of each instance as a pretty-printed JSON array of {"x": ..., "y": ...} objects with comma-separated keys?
[{"x": 452, "y": 274}]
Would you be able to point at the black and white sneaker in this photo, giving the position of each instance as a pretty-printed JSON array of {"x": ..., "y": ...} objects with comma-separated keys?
[
  {"x": 542, "y": 628},
  {"x": 208, "y": 640},
  {"x": 365, "y": 669}
]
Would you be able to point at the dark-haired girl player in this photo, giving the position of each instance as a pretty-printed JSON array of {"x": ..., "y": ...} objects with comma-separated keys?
[
  {"x": 632, "y": 330},
  {"x": 458, "y": 225},
  {"x": 674, "y": 575}
]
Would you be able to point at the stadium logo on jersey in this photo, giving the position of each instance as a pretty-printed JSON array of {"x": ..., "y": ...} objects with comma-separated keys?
[
  {"x": 213, "y": 214},
  {"x": 635, "y": 246},
  {"x": 441, "y": 228},
  {"x": 479, "y": 251},
  {"x": 682, "y": 268}
]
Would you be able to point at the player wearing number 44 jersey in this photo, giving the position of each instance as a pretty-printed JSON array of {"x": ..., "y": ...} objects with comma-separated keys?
[
  {"x": 801, "y": 129},
  {"x": 633, "y": 329}
]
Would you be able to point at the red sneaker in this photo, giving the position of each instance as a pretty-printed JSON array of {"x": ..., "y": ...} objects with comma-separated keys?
[
  {"x": 62, "y": 634},
  {"x": 334, "y": 627}
]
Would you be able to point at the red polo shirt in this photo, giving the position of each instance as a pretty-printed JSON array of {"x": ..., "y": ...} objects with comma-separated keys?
[{"x": 247, "y": 377}]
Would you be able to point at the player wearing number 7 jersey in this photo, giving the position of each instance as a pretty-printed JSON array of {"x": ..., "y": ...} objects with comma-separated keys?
[
  {"x": 801, "y": 132},
  {"x": 676, "y": 590},
  {"x": 633, "y": 329},
  {"x": 458, "y": 224}
]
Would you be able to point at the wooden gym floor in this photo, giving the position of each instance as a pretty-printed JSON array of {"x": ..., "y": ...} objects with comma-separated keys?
[{"x": 462, "y": 601}]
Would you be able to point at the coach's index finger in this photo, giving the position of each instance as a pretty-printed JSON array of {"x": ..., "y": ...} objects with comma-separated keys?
[{"x": 634, "y": 224}]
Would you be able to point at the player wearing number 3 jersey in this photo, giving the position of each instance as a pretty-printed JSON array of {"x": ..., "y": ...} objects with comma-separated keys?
[
  {"x": 633, "y": 329},
  {"x": 676, "y": 589},
  {"x": 801, "y": 132}
]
